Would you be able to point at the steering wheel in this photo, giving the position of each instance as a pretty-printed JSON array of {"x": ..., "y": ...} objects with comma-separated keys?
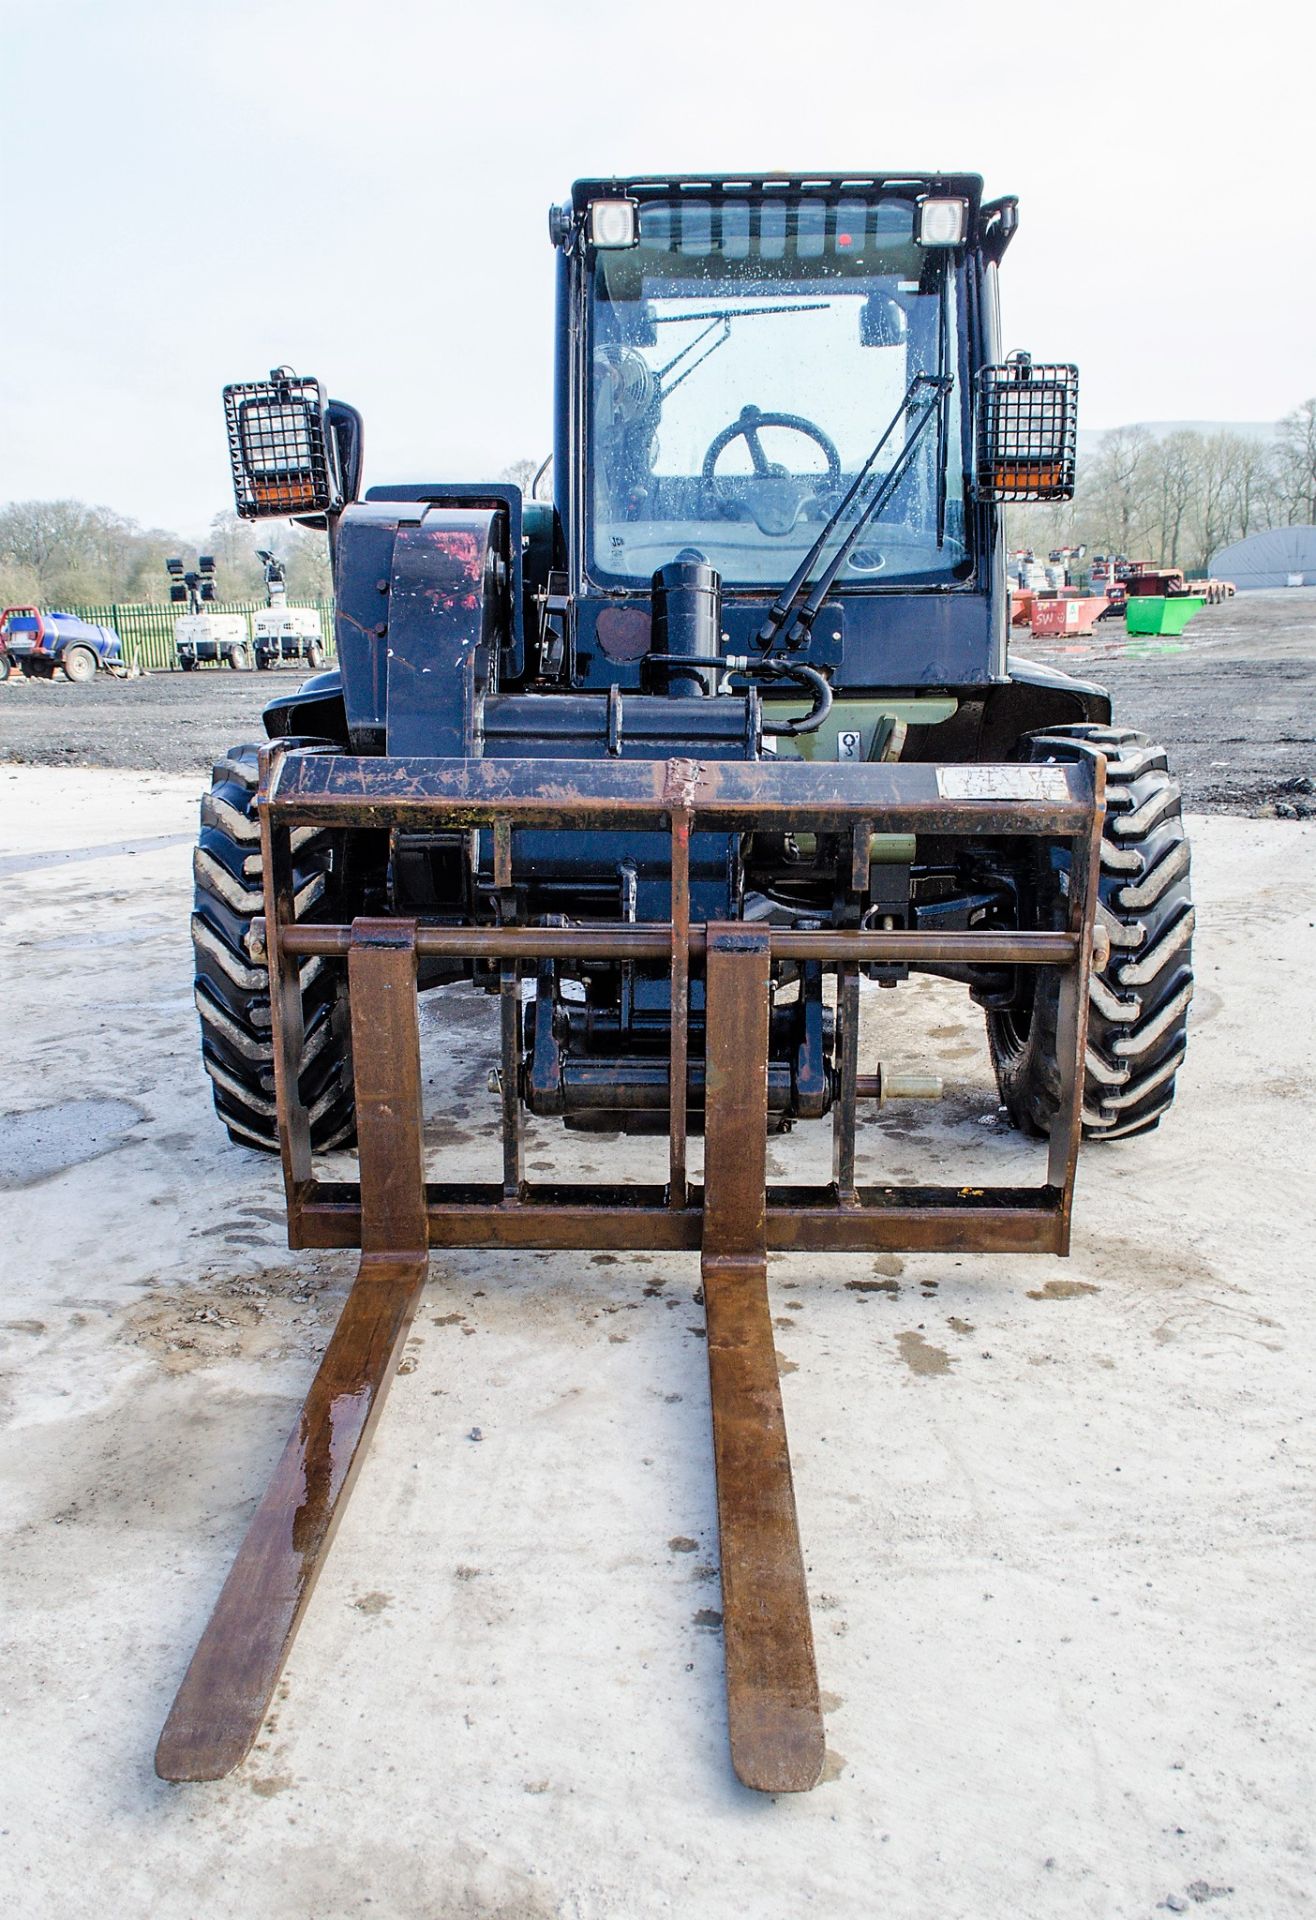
[{"x": 778, "y": 497}]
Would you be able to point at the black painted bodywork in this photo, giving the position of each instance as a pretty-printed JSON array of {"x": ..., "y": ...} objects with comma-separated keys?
[{"x": 468, "y": 625}]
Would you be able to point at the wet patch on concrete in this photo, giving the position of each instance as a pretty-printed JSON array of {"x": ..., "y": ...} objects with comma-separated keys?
[
  {"x": 45, "y": 1141},
  {"x": 12, "y": 864},
  {"x": 271, "y": 1784},
  {"x": 921, "y": 1357},
  {"x": 267, "y": 1314}
]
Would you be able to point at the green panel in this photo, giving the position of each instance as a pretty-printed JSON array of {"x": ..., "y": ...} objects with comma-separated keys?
[{"x": 872, "y": 720}]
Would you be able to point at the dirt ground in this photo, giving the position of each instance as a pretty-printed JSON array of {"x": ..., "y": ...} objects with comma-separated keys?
[
  {"x": 1235, "y": 700},
  {"x": 1056, "y": 1514}
]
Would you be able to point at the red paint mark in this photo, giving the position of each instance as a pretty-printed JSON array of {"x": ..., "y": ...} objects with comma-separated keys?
[{"x": 463, "y": 548}]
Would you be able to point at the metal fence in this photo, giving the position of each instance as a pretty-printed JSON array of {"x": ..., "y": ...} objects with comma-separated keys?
[{"x": 147, "y": 632}]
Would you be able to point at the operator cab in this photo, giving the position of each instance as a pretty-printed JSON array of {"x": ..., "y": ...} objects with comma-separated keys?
[
  {"x": 792, "y": 383},
  {"x": 745, "y": 355}
]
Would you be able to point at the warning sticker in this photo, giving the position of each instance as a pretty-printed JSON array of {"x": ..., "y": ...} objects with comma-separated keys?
[{"x": 1002, "y": 783}]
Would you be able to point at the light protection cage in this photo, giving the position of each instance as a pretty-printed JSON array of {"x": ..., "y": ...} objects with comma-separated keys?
[
  {"x": 1027, "y": 431},
  {"x": 277, "y": 446}
]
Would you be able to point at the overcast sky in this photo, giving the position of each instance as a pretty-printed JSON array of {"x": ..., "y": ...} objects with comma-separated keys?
[{"x": 192, "y": 191}]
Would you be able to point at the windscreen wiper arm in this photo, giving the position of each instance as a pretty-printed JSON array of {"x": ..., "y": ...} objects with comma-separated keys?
[
  {"x": 717, "y": 317},
  {"x": 796, "y": 606}
]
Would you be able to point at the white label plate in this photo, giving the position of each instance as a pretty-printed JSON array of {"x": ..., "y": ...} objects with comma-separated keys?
[{"x": 1002, "y": 783}]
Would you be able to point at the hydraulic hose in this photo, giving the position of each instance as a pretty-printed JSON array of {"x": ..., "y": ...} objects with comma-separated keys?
[
  {"x": 808, "y": 678},
  {"x": 811, "y": 681}
]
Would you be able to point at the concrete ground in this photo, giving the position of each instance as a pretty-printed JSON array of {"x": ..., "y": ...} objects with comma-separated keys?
[{"x": 1057, "y": 1514}]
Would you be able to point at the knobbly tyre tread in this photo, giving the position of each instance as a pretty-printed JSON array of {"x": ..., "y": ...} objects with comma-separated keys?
[
  {"x": 1138, "y": 1001},
  {"x": 232, "y": 985}
]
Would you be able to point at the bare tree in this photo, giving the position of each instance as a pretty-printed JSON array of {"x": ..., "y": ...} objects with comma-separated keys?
[
  {"x": 523, "y": 473},
  {"x": 1253, "y": 485},
  {"x": 239, "y": 575},
  {"x": 1119, "y": 490},
  {"x": 64, "y": 550},
  {"x": 306, "y": 557},
  {"x": 1174, "y": 469},
  {"x": 1297, "y": 464}
]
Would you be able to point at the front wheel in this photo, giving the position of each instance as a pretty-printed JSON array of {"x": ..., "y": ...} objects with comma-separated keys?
[
  {"x": 233, "y": 982},
  {"x": 79, "y": 663},
  {"x": 1138, "y": 1002}
]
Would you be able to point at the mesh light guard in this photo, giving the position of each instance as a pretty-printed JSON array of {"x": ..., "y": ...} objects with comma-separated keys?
[
  {"x": 277, "y": 448},
  {"x": 1027, "y": 438}
]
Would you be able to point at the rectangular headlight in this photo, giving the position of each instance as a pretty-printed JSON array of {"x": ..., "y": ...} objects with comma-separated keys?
[
  {"x": 942, "y": 223},
  {"x": 612, "y": 223}
]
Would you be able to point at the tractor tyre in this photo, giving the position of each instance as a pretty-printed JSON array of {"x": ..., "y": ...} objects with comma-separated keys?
[
  {"x": 1138, "y": 1001},
  {"x": 79, "y": 663},
  {"x": 232, "y": 981}
]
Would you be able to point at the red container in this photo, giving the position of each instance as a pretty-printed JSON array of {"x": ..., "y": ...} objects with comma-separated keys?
[{"x": 1068, "y": 618}]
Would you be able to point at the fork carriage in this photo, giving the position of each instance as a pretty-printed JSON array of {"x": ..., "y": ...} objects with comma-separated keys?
[{"x": 394, "y": 1215}]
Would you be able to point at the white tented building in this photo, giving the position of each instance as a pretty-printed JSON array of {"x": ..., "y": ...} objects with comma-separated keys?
[{"x": 1280, "y": 557}]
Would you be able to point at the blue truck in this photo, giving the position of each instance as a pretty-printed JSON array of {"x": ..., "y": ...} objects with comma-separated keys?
[{"x": 36, "y": 643}]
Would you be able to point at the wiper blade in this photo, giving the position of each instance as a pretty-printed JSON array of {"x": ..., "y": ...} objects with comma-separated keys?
[
  {"x": 716, "y": 317},
  {"x": 736, "y": 313},
  {"x": 789, "y": 611}
]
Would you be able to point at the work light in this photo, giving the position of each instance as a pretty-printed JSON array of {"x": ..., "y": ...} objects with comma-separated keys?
[
  {"x": 942, "y": 223},
  {"x": 1027, "y": 431},
  {"x": 277, "y": 446},
  {"x": 612, "y": 223}
]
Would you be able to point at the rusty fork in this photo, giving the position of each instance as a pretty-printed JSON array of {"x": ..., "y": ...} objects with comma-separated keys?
[
  {"x": 227, "y": 1689},
  {"x": 773, "y": 1709}
]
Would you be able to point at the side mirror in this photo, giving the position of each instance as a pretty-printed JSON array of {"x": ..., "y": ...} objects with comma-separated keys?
[
  {"x": 1026, "y": 435},
  {"x": 278, "y": 447}
]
